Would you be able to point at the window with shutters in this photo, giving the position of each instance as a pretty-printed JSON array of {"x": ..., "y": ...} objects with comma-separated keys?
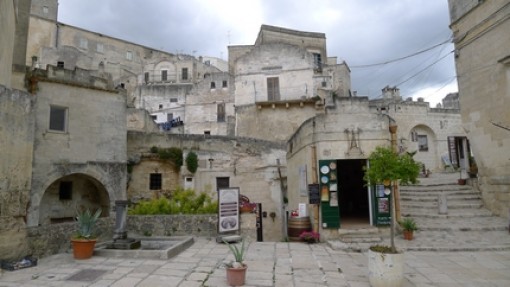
[
  {"x": 58, "y": 118},
  {"x": 273, "y": 89},
  {"x": 184, "y": 74},
  {"x": 423, "y": 144},
  {"x": 164, "y": 75}
]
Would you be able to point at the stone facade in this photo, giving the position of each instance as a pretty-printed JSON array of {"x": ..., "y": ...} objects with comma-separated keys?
[
  {"x": 251, "y": 165},
  {"x": 480, "y": 30},
  {"x": 348, "y": 134}
]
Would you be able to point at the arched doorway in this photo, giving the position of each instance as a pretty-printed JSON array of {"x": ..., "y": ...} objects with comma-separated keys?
[{"x": 65, "y": 195}]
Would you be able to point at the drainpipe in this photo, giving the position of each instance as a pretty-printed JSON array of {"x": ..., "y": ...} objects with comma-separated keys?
[{"x": 315, "y": 180}]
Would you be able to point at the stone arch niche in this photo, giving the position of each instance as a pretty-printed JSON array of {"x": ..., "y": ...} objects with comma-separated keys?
[
  {"x": 70, "y": 193},
  {"x": 424, "y": 154}
]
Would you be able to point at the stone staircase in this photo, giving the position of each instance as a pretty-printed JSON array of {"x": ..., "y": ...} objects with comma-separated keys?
[{"x": 466, "y": 226}]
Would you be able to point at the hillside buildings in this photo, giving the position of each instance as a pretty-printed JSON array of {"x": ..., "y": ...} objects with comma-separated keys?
[{"x": 84, "y": 111}]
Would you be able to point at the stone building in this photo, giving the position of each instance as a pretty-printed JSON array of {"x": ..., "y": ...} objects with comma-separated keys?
[
  {"x": 282, "y": 80},
  {"x": 482, "y": 59},
  {"x": 332, "y": 149}
]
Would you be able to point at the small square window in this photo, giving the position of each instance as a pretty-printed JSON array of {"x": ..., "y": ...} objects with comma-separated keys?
[
  {"x": 324, "y": 84},
  {"x": 173, "y": 100},
  {"x": 100, "y": 47},
  {"x": 225, "y": 84},
  {"x": 160, "y": 106},
  {"x": 58, "y": 118},
  {"x": 129, "y": 55},
  {"x": 213, "y": 85},
  {"x": 207, "y": 132},
  {"x": 155, "y": 181},
  {"x": 60, "y": 64},
  {"x": 65, "y": 190}
]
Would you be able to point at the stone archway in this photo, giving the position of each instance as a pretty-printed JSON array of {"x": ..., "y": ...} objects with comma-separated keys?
[
  {"x": 423, "y": 141},
  {"x": 71, "y": 192}
]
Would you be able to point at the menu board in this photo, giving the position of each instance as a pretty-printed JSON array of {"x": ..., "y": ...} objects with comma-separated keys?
[{"x": 314, "y": 194}]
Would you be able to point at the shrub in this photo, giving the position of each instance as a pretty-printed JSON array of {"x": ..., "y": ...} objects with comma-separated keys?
[
  {"x": 192, "y": 161},
  {"x": 180, "y": 202},
  {"x": 173, "y": 154}
]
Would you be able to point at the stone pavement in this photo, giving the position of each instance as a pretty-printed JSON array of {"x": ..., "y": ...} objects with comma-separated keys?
[
  {"x": 448, "y": 251},
  {"x": 269, "y": 264}
]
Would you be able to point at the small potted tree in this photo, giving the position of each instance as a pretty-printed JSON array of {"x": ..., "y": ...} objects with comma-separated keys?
[
  {"x": 386, "y": 263},
  {"x": 408, "y": 227},
  {"x": 84, "y": 240},
  {"x": 236, "y": 270}
]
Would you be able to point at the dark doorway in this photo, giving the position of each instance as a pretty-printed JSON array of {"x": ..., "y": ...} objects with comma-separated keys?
[{"x": 352, "y": 193}]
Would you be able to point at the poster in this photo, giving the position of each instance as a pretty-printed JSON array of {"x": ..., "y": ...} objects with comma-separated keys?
[
  {"x": 383, "y": 205},
  {"x": 228, "y": 210}
]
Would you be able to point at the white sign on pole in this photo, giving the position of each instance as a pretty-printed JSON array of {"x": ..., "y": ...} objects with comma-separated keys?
[{"x": 228, "y": 211}]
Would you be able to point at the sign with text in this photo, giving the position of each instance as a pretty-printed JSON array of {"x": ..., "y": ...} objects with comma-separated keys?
[
  {"x": 314, "y": 196},
  {"x": 228, "y": 209}
]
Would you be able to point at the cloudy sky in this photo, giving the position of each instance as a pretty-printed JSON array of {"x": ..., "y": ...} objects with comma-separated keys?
[{"x": 403, "y": 43}]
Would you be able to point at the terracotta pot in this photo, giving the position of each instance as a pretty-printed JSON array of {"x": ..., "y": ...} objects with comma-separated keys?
[
  {"x": 236, "y": 276},
  {"x": 408, "y": 234},
  {"x": 83, "y": 248}
]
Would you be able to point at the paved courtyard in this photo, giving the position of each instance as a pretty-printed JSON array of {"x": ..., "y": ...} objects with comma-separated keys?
[{"x": 269, "y": 264}]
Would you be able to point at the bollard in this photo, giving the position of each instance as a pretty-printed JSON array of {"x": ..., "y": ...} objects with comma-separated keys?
[{"x": 442, "y": 204}]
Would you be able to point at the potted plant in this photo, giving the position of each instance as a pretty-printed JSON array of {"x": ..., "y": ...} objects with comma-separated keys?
[
  {"x": 386, "y": 263},
  {"x": 84, "y": 240},
  {"x": 236, "y": 270},
  {"x": 309, "y": 236},
  {"x": 408, "y": 227}
]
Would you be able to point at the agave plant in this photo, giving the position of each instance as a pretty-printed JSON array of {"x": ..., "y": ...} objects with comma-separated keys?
[
  {"x": 86, "y": 223},
  {"x": 238, "y": 254}
]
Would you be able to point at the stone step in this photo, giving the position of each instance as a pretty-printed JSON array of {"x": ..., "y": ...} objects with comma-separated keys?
[
  {"x": 434, "y": 205},
  {"x": 462, "y": 213},
  {"x": 424, "y": 194},
  {"x": 359, "y": 239},
  {"x": 428, "y": 188},
  {"x": 449, "y": 197}
]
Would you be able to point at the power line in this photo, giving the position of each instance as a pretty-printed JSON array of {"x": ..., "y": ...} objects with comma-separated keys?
[
  {"x": 419, "y": 72},
  {"x": 403, "y": 58}
]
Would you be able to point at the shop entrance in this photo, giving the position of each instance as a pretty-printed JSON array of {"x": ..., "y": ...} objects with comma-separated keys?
[{"x": 353, "y": 195}]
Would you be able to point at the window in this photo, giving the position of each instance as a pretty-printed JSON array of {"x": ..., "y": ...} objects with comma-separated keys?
[
  {"x": 207, "y": 132},
  {"x": 221, "y": 112},
  {"x": 155, "y": 181},
  {"x": 58, "y": 119},
  {"x": 45, "y": 9},
  {"x": 185, "y": 74},
  {"x": 84, "y": 43},
  {"x": 317, "y": 62},
  {"x": 213, "y": 85},
  {"x": 225, "y": 84},
  {"x": 60, "y": 64},
  {"x": 173, "y": 100},
  {"x": 169, "y": 117},
  {"x": 273, "y": 89},
  {"x": 160, "y": 106},
  {"x": 100, "y": 47},
  {"x": 146, "y": 77},
  {"x": 129, "y": 55},
  {"x": 324, "y": 84},
  {"x": 222, "y": 182},
  {"x": 164, "y": 75},
  {"x": 423, "y": 143},
  {"x": 154, "y": 118},
  {"x": 207, "y": 63},
  {"x": 65, "y": 190}
]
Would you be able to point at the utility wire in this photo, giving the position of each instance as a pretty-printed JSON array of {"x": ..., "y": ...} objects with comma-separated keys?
[
  {"x": 403, "y": 58},
  {"x": 416, "y": 74}
]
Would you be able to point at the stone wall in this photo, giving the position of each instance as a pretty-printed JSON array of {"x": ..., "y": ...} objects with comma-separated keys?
[
  {"x": 16, "y": 142},
  {"x": 7, "y": 30}
]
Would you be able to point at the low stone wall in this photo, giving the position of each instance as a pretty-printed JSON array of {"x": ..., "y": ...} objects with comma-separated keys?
[
  {"x": 56, "y": 238},
  {"x": 170, "y": 225}
]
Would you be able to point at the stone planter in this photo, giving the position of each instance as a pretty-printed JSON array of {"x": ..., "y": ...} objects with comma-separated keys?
[{"x": 385, "y": 270}]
